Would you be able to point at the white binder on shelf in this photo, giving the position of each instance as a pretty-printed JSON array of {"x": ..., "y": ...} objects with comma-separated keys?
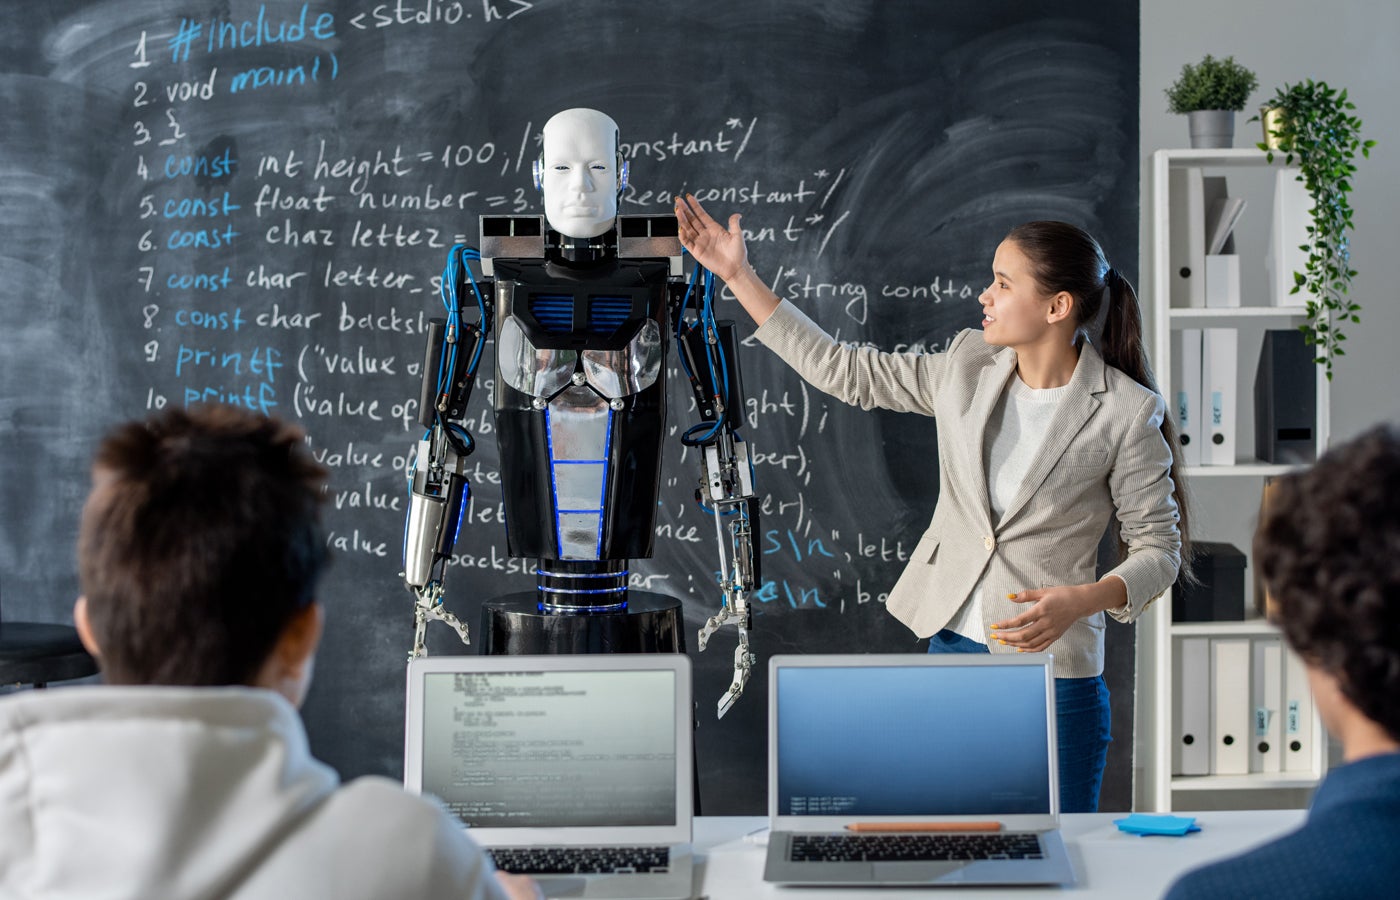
[
  {"x": 1191, "y": 717},
  {"x": 1298, "y": 717},
  {"x": 1219, "y": 395},
  {"x": 1229, "y": 706},
  {"x": 1266, "y": 707},
  {"x": 1221, "y": 266},
  {"x": 1186, "y": 393},
  {"x": 1222, "y": 280},
  {"x": 1187, "y": 241},
  {"x": 1288, "y": 233},
  {"x": 1222, "y": 215}
]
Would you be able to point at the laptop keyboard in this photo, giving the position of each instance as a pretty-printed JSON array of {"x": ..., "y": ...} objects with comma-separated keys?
[
  {"x": 582, "y": 860},
  {"x": 912, "y": 847}
]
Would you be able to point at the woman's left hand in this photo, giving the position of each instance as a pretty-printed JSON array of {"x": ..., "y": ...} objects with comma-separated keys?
[{"x": 1051, "y": 612}]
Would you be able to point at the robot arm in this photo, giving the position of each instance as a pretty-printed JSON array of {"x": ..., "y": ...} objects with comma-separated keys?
[
  {"x": 438, "y": 491},
  {"x": 710, "y": 358}
]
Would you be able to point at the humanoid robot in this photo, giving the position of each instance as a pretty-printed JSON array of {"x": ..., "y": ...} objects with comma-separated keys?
[{"x": 584, "y": 306}]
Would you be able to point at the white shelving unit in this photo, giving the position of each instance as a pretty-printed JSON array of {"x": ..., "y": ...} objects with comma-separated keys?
[{"x": 1155, "y": 787}]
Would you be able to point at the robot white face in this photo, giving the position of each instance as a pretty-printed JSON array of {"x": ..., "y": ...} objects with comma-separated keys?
[{"x": 579, "y": 174}]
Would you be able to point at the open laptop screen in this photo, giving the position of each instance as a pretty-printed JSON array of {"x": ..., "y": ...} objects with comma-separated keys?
[
  {"x": 912, "y": 740},
  {"x": 521, "y": 749}
]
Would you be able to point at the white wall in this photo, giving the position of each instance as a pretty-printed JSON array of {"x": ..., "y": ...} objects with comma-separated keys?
[{"x": 1346, "y": 43}]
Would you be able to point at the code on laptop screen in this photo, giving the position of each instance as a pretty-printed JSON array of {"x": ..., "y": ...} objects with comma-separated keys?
[
  {"x": 548, "y": 749},
  {"x": 912, "y": 741}
]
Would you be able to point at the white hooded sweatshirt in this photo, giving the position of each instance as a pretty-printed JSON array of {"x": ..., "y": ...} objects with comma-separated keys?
[{"x": 120, "y": 793}]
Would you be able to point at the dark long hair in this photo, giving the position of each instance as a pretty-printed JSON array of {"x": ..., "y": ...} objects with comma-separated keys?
[{"x": 1066, "y": 258}]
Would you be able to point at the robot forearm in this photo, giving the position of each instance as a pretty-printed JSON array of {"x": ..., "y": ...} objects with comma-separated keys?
[
  {"x": 437, "y": 489},
  {"x": 436, "y": 496},
  {"x": 726, "y": 487}
]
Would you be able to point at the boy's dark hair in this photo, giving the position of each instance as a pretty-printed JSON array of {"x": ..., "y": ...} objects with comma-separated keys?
[
  {"x": 200, "y": 541},
  {"x": 1328, "y": 549}
]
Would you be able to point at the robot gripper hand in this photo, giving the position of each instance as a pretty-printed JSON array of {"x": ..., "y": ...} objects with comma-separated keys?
[
  {"x": 738, "y": 576},
  {"x": 437, "y": 494}
]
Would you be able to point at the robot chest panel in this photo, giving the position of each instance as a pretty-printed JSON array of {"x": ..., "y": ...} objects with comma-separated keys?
[{"x": 608, "y": 337}]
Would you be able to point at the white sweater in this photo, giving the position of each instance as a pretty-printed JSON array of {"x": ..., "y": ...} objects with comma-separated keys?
[{"x": 161, "y": 792}]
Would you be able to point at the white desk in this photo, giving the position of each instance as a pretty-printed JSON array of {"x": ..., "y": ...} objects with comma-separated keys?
[{"x": 1107, "y": 862}]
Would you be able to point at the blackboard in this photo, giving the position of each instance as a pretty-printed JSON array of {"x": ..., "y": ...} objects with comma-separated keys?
[{"x": 251, "y": 201}]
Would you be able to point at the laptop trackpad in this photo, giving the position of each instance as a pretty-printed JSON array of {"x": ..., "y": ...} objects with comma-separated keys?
[
  {"x": 916, "y": 872},
  {"x": 615, "y": 887},
  {"x": 562, "y": 885}
]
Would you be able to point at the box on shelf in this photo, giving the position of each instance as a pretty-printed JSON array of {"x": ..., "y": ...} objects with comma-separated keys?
[{"x": 1219, "y": 597}]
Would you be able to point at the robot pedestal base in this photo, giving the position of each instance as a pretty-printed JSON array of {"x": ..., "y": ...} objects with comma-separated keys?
[{"x": 514, "y": 624}]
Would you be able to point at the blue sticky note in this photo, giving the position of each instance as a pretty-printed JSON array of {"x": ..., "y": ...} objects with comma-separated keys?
[{"x": 1142, "y": 824}]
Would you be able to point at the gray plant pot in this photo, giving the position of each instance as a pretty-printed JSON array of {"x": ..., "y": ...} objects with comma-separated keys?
[{"x": 1212, "y": 129}]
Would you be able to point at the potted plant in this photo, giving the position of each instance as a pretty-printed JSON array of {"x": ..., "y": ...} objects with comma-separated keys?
[
  {"x": 1314, "y": 127},
  {"x": 1210, "y": 93}
]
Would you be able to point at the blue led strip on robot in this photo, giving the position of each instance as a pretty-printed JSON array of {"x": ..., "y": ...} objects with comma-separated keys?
[
  {"x": 554, "y": 590},
  {"x": 554, "y": 463},
  {"x": 607, "y": 607},
  {"x": 603, "y": 488},
  {"x": 545, "y": 590}
]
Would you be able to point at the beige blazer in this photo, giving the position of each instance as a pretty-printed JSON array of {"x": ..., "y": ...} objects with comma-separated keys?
[{"x": 1104, "y": 453}]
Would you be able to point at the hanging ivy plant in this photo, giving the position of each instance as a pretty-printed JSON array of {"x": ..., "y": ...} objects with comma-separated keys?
[{"x": 1318, "y": 131}]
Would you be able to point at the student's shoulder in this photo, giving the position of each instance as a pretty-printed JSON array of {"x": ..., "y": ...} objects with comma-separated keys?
[
  {"x": 1234, "y": 877},
  {"x": 417, "y": 826},
  {"x": 386, "y": 799},
  {"x": 1312, "y": 862},
  {"x": 370, "y": 838}
]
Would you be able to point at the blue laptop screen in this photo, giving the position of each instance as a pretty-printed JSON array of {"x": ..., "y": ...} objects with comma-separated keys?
[
  {"x": 912, "y": 741},
  {"x": 548, "y": 749}
]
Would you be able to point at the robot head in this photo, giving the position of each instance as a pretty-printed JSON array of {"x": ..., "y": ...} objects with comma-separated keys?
[{"x": 580, "y": 173}]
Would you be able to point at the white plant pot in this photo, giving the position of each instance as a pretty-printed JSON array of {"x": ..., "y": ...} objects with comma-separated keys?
[{"x": 1212, "y": 129}]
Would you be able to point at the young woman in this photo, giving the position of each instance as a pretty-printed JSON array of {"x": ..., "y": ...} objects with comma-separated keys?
[{"x": 1043, "y": 438}]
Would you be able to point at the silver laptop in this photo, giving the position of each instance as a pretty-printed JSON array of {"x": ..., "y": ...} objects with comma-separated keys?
[
  {"x": 574, "y": 769},
  {"x": 913, "y": 770}
]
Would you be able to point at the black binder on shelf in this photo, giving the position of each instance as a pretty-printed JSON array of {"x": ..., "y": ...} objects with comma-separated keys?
[{"x": 1285, "y": 399}]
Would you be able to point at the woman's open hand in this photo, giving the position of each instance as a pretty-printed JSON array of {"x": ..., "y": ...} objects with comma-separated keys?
[{"x": 718, "y": 249}]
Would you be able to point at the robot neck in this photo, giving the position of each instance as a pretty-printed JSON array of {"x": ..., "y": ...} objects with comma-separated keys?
[{"x": 576, "y": 251}]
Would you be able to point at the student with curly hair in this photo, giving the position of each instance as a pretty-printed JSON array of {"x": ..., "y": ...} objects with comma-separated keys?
[{"x": 1329, "y": 552}]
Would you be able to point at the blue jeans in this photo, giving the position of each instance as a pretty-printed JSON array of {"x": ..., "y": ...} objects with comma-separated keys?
[{"x": 1081, "y": 727}]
